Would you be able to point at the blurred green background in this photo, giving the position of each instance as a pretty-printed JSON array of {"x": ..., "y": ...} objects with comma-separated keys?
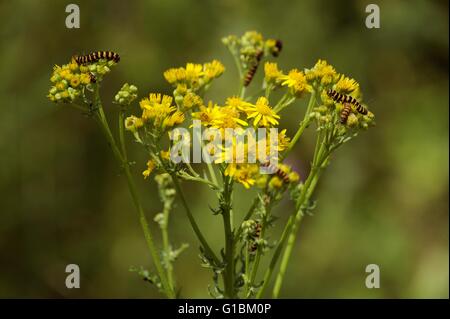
[{"x": 383, "y": 200}]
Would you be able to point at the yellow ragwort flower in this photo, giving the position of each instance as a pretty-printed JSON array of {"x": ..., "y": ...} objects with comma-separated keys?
[
  {"x": 275, "y": 182},
  {"x": 165, "y": 154},
  {"x": 283, "y": 141},
  {"x": 132, "y": 123},
  {"x": 346, "y": 85},
  {"x": 175, "y": 75},
  {"x": 272, "y": 73},
  {"x": 151, "y": 164},
  {"x": 229, "y": 118},
  {"x": 174, "y": 119},
  {"x": 213, "y": 70},
  {"x": 262, "y": 113},
  {"x": 207, "y": 114},
  {"x": 322, "y": 71},
  {"x": 193, "y": 72},
  {"x": 296, "y": 81},
  {"x": 237, "y": 103},
  {"x": 156, "y": 107},
  {"x": 192, "y": 100},
  {"x": 245, "y": 174}
]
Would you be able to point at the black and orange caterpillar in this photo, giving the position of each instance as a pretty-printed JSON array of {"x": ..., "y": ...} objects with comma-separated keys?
[
  {"x": 345, "y": 112},
  {"x": 342, "y": 98},
  {"x": 252, "y": 70},
  {"x": 256, "y": 235},
  {"x": 95, "y": 56},
  {"x": 278, "y": 171}
]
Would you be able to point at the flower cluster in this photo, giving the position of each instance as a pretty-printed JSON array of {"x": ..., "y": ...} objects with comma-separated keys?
[
  {"x": 193, "y": 77},
  {"x": 70, "y": 80},
  {"x": 126, "y": 95},
  {"x": 250, "y": 46},
  {"x": 67, "y": 82}
]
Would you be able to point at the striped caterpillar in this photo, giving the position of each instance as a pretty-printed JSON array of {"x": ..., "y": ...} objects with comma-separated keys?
[
  {"x": 95, "y": 56},
  {"x": 342, "y": 98},
  {"x": 345, "y": 112},
  {"x": 252, "y": 70},
  {"x": 278, "y": 171}
]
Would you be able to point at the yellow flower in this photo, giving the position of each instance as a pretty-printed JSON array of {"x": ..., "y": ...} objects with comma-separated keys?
[
  {"x": 85, "y": 78},
  {"x": 165, "y": 154},
  {"x": 213, "y": 70},
  {"x": 229, "y": 118},
  {"x": 193, "y": 72},
  {"x": 322, "y": 71},
  {"x": 156, "y": 107},
  {"x": 237, "y": 103},
  {"x": 61, "y": 85},
  {"x": 151, "y": 164},
  {"x": 245, "y": 174},
  {"x": 173, "y": 119},
  {"x": 293, "y": 177},
  {"x": 181, "y": 89},
  {"x": 264, "y": 115},
  {"x": 272, "y": 73},
  {"x": 132, "y": 123},
  {"x": 237, "y": 153},
  {"x": 296, "y": 81},
  {"x": 275, "y": 182},
  {"x": 346, "y": 85},
  {"x": 207, "y": 115},
  {"x": 283, "y": 141},
  {"x": 75, "y": 81},
  {"x": 191, "y": 100},
  {"x": 175, "y": 75}
]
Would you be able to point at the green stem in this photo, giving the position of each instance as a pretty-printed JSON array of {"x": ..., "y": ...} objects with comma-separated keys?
[
  {"x": 229, "y": 239},
  {"x": 275, "y": 257},
  {"x": 308, "y": 188},
  {"x": 132, "y": 187},
  {"x": 208, "y": 251},
  {"x": 280, "y": 102},
  {"x": 247, "y": 262},
  {"x": 166, "y": 247}
]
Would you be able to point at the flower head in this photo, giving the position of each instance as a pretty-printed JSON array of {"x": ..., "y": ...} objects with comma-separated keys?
[
  {"x": 262, "y": 113},
  {"x": 346, "y": 85},
  {"x": 212, "y": 70},
  {"x": 272, "y": 73},
  {"x": 244, "y": 174},
  {"x": 151, "y": 164},
  {"x": 207, "y": 114},
  {"x": 322, "y": 71},
  {"x": 296, "y": 81},
  {"x": 174, "y": 119}
]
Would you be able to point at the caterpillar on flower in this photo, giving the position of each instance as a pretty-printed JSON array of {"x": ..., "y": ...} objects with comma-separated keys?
[{"x": 95, "y": 56}]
